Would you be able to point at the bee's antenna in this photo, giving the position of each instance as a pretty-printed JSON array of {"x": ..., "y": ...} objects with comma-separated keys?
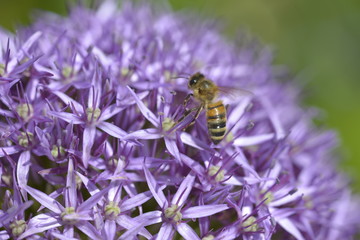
[
  {"x": 185, "y": 75},
  {"x": 179, "y": 77}
]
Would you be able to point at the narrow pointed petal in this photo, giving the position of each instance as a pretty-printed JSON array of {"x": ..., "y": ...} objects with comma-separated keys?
[
  {"x": 88, "y": 141},
  {"x": 155, "y": 190},
  {"x": 241, "y": 160},
  {"x": 109, "y": 112},
  {"x": 150, "y": 133},
  {"x": 90, "y": 202},
  {"x": 187, "y": 232},
  {"x": 68, "y": 231},
  {"x": 203, "y": 211},
  {"x": 131, "y": 233},
  {"x": 8, "y": 150},
  {"x": 150, "y": 218},
  {"x": 144, "y": 110},
  {"x": 67, "y": 117},
  {"x": 290, "y": 227},
  {"x": 6, "y": 217},
  {"x": 253, "y": 140},
  {"x": 22, "y": 168},
  {"x": 20, "y": 55},
  {"x": 129, "y": 223},
  {"x": 183, "y": 191},
  {"x": 62, "y": 237},
  {"x": 40, "y": 223},
  {"x": 192, "y": 164},
  {"x": 228, "y": 233},
  {"x": 166, "y": 232},
  {"x": 193, "y": 142},
  {"x": 28, "y": 44},
  {"x": 237, "y": 113},
  {"x": 21, "y": 68},
  {"x": 112, "y": 130},
  {"x": 274, "y": 118},
  {"x": 90, "y": 186},
  {"x": 6, "y": 113},
  {"x": 110, "y": 229},
  {"x": 136, "y": 200},
  {"x": 70, "y": 197},
  {"x": 44, "y": 199},
  {"x": 68, "y": 100},
  {"x": 89, "y": 230},
  {"x": 172, "y": 147}
]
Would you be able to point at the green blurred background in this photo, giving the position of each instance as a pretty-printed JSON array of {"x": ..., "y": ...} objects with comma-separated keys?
[{"x": 318, "y": 40}]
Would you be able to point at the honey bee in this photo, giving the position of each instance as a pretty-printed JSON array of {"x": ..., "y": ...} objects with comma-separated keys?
[{"x": 206, "y": 92}]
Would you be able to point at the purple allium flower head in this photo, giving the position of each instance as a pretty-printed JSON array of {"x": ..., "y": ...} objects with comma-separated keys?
[{"x": 95, "y": 143}]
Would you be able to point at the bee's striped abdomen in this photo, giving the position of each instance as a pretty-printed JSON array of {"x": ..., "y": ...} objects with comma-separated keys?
[{"x": 216, "y": 121}]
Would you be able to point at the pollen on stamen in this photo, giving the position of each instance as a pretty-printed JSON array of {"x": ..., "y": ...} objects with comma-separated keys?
[
  {"x": 173, "y": 213},
  {"x": 25, "y": 139},
  {"x": 25, "y": 111},
  {"x": 67, "y": 71},
  {"x": 269, "y": 197},
  {"x": 208, "y": 237},
  {"x": 68, "y": 216},
  {"x": 57, "y": 151},
  {"x": 167, "y": 124},
  {"x": 250, "y": 225},
  {"x": 112, "y": 210},
  {"x": 2, "y": 69},
  {"x": 18, "y": 227},
  {"x": 216, "y": 170},
  {"x": 92, "y": 114}
]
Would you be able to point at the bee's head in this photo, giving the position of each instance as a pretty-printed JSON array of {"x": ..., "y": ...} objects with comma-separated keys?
[{"x": 194, "y": 79}]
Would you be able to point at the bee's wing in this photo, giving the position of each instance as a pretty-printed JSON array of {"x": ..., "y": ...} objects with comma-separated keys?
[{"x": 230, "y": 94}]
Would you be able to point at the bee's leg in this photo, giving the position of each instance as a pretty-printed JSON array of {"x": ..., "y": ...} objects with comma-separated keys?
[
  {"x": 187, "y": 98},
  {"x": 198, "y": 111},
  {"x": 187, "y": 112}
]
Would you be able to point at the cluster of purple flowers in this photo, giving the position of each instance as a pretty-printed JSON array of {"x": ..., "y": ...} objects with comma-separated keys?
[{"x": 94, "y": 143}]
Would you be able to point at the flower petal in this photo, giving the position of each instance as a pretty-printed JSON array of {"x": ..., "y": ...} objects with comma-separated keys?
[
  {"x": 166, "y": 232},
  {"x": 90, "y": 202},
  {"x": 187, "y": 232},
  {"x": 90, "y": 186},
  {"x": 67, "y": 117},
  {"x": 68, "y": 100},
  {"x": 155, "y": 189},
  {"x": 150, "y": 133},
  {"x": 40, "y": 223},
  {"x": 61, "y": 236},
  {"x": 144, "y": 110},
  {"x": 112, "y": 130},
  {"x": 192, "y": 164},
  {"x": 136, "y": 200},
  {"x": 274, "y": 117},
  {"x": 203, "y": 211},
  {"x": 110, "y": 229},
  {"x": 22, "y": 168},
  {"x": 129, "y": 223},
  {"x": 45, "y": 200},
  {"x": 194, "y": 142},
  {"x": 88, "y": 141},
  {"x": 172, "y": 147},
  {"x": 109, "y": 112},
  {"x": 183, "y": 191},
  {"x": 290, "y": 227},
  {"x": 70, "y": 191},
  {"x": 253, "y": 140},
  {"x": 89, "y": 230},
  {"x": 8, "y": 150}
]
